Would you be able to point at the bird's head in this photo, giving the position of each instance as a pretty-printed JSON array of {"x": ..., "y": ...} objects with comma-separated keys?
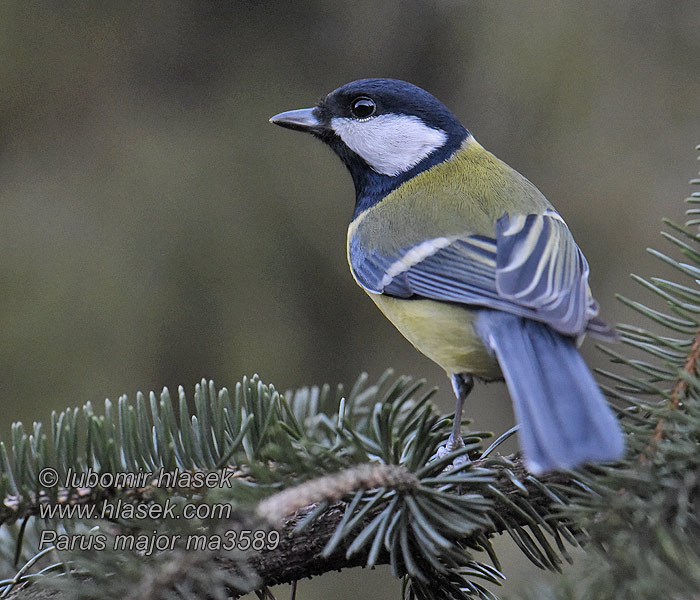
[{"x": 384, "y": 130}]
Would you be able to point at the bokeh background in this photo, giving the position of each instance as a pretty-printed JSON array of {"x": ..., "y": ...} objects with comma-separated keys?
[{"x": 155, "y": 229}]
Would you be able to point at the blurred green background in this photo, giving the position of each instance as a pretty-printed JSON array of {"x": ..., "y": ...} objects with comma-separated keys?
[{"x": 155, "y": 229}]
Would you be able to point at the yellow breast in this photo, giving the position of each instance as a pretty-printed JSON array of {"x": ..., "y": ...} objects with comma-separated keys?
[{"x": 442, "y": 331}]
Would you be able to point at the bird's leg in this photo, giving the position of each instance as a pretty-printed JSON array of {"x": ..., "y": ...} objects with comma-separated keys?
[{"x": 462, "y": 384}]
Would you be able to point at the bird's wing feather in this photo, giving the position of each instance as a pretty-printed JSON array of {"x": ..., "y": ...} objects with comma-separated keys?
[{"x": 532, "y": 268}]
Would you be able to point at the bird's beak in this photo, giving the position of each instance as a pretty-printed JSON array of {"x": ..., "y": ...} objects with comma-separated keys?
[{"x": 302, "y": 119}]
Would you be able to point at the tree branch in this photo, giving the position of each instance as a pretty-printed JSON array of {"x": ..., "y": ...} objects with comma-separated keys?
[{"x": 298, "y": 554}]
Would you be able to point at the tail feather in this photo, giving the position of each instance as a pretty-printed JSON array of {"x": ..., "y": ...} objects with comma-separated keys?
[{"x": 564, "y": 418}]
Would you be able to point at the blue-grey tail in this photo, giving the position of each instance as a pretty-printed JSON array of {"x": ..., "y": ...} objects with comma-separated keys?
[{"x": 564, "y": 418}]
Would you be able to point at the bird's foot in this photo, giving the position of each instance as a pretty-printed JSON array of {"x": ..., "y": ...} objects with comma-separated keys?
[{"x": 453, "y": 443}]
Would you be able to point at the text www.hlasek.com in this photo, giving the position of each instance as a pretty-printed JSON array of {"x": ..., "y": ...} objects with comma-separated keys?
[{"x": 128, "y": 510}]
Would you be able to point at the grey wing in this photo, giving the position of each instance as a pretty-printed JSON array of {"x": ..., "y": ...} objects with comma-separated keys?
[{"x": 532, "y": 268}]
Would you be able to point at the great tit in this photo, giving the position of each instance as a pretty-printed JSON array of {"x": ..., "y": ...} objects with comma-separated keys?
[{"x": 471, "y": 263}]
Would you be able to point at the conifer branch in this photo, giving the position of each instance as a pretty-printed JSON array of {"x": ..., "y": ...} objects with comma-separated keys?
[
  {"x": 680, "y": 389},
  {"x": 358, "y": 487},
  {"x": 299, "y": 555}
]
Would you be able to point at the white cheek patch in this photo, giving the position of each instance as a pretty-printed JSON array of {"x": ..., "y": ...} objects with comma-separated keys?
[{"x": 390, "y": 144}]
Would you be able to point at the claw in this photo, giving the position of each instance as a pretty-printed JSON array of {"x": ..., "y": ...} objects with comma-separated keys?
[{"x": 453, "y": 443}]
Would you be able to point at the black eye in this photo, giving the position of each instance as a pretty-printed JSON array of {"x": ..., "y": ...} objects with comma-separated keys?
[{"x": 363, "y": 107}]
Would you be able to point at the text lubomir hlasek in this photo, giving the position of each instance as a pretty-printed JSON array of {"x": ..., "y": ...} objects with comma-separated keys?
[{"x": 166, "y": 479}]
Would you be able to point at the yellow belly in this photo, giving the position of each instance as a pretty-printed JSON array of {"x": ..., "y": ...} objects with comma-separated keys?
[{"x": 443, "y": 332}]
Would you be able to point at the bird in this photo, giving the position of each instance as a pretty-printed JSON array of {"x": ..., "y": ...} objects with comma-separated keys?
[{"x": 471, "y": 263}]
